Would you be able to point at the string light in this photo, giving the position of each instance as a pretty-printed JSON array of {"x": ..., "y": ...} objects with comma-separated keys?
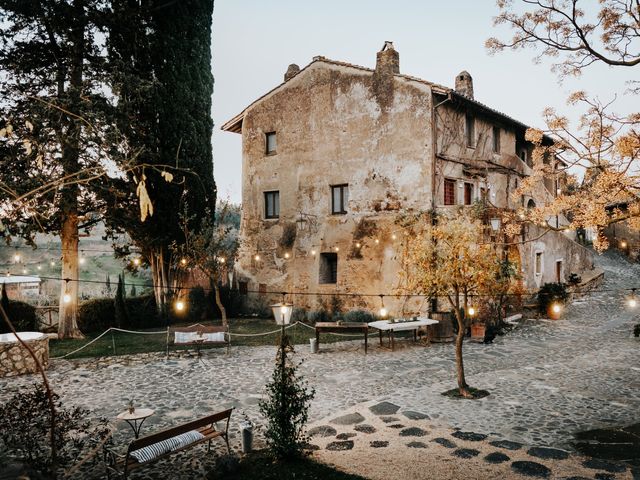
[
  {"x": 337, "y": 249},
  {"x": 82, "y": 259},
  {"x": 377, "y": 241},
  {"x": 39, "y": 267},
  {"x": 52, "y": 263},
  {"x": 286, "y": 255},
  {"x": 394, "y": 236},
  {"x": 623, "y": 244},
  {"x": 313, "y": 253},
  {"x": 66, "y": 298},
  {"x": 633, "y": 301},
  {"x": 471, "y": 311},
  {"x": 383, "y": 310},
  {"x": 180, "y": 305},
  {"x": 136, "y": 262},
  {"x": 256, "y": 257},
  {"x": 16, "y": 258},
  {"x": 24, "y": 271},
  {"x": 222, "y": 259},
  {"x": 556, "y": 308},
  {"x": 358, "y": 245}
]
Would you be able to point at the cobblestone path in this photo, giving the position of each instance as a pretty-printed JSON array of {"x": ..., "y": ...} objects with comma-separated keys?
[{"x": 547, "y": 379}]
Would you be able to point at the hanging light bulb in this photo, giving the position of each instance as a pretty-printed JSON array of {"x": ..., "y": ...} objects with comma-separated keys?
[
  {"x": 358, "y": 244},
  {"x": 39, "y": 267},
  {"x": 623, "y": 244},
  {"x": 17, "y": 258},
  {"x": 66, "y": 298},
  {"x": 286, "y": 255},
  {"x": 136, "y": 262},
  {"x": 377, "y": 241},
  {"x": 337, "y": 249},
  {"x": 256, "y": 257},
  {"x": 394, "y": 236},
  {"x": 471, "y": 311},
  {"x": 52, "y": 263},
  {"x": 383, "y": 310},
  {"x": 222, "y": 259},
  {"x": 633, "y": 300},
  {"x": 24, "y": 271},
  {"x": 180, "y": 305},
  {"x": 82, "y": 259},
  {"x": 313, "y": 253},
  {"x": 183, "y": 261}
]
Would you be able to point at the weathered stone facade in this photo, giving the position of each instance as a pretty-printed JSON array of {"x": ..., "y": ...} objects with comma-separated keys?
[
  {"x": 381, "y": 146},
  {"x": 16, "y": 360}
]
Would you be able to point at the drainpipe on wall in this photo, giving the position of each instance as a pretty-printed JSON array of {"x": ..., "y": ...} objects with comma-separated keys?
[{"x": 434, "y": 145}]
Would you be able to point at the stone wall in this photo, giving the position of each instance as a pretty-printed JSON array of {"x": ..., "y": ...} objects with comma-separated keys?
[{"x": 16, "y": 360}]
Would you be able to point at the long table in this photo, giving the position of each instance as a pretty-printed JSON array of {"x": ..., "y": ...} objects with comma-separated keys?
[
  {"x": 342, "y": 327},
  {"x": 400, "y": 325}
]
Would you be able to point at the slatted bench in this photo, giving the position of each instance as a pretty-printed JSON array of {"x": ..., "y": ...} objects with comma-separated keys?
[
  {"x": 198, "y": 335},
  {"x": 146, "y": 450}
]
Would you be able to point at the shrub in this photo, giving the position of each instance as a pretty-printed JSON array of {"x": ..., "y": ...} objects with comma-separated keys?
[
  {"x": 25, "y": 426},
  {"x": 574, "y": 279},
  {"x": 198, "y": 304},
  {"x": 636, "y": 330},
  {"x": 298, "y": 315},
  {"x": 286, "y": 407},
  {"x": 550, "y": 293},
  {"x": 98, "y": 314},
  {"x": 23, "y": 316},
  {"x": 315, "y": 316},
  {"x": 359, "y": 316}
]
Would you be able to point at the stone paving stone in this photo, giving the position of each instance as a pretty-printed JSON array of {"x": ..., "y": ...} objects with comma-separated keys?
[
  {"x": 364, "y": 428},
  {"x": 310, "y": 447},
  {"x": 496, "y": 457},
  {"x": 506, "y": 444},
  {"x": 345, "y": 436},
  {"x": 575, "y": 478},
  {"x": 604, "y": 476},
  {"x": 444, "y": 442},
  {"x": 348, "y": 419},
  {"x": 465, "y": 453},
  {"x": 597, "y": 464},
  {"x": 384, "y": 408},
  {"x": 411, "y": 415},
  {"x": 322, "y": 431},
  {"x": 416, "y": 445},
  {"x": 531, "y": 469},
  {"x": 413, "y": 432},
  {"x": 379, "y": 444},
  {"x": 389, "y": 419},
  {"x": 547, "y": 453},
  {"x": 397, "y": 425},
  {"x": 339, "y": 446},
  {"x": 469, "y": 436}
]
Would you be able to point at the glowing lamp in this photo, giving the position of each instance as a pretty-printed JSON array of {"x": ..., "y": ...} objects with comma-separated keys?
[
  {"x": 472, "y": 311},
  {"x": 256, "y": 258},
  {"x": 16, "y": 258},
  {"x": 313, "y": 252},
  {"x": 282, "y": 313},
  {"x": 623, "y": 244},
  {"x": 52, "y": 263},
  {"x": 66, "y": 298},
  {"x": 82, "y": 260},
  {"x": 394, "y": 236},
  {"x": 633, "y": 303},
  {"x": 286, "y": 255},
  {"x": 337, "y": 249},
  {"x": 358, "y": 245},
  {"x": 183, "y": 261},
  {"x": 136, "y": 262},
  {"x": 222, "y": 259},
  {"x": 180, "y": 306},
  {"x": 383, "y": 312},
  {"x": 377, "y": 241}
]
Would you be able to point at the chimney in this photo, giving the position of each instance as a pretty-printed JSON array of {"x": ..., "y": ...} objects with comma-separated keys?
[
  {"x": 464, "y": 84},
  {"x": 387, "y": 60},
  {"x": 291, "y": 71}
]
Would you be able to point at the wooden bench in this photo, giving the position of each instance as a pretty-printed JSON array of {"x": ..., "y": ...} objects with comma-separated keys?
[
  {"x": 206, "y": 426},
  {"x": 198, "y": 335}
]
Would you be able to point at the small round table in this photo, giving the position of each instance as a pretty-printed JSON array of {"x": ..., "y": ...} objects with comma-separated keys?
[{"x": 138, "y": 415}]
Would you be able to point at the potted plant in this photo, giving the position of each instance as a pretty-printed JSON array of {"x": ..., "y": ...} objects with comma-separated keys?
[{"x": 478, "y": 330}]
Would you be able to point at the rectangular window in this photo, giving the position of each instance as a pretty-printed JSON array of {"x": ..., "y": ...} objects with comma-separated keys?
[
  {"x": 523, "y": 155},
  {"x": 496, "y": 139},
  {"x": 449, "y": 192},
  {"x": 559, "y": 278},
  {"x": 272, "y": 204},
  {"x": 271, "y": 142},
  {"x": 262, "y": 289},
  {"x": 470, "y": 130},
  {"x": 538, "y": 263},
  {"x": 328, "y": 268},
  {"x": 339, "y": 199},
  {"x": 468, "y": 193},
  {"x": 244, "y": 288}
]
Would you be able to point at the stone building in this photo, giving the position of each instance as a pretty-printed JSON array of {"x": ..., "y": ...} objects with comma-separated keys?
[{"x": 337, "y": 155}]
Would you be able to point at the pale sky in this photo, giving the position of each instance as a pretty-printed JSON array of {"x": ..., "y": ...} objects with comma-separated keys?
[{"x": 254, "y": 41}]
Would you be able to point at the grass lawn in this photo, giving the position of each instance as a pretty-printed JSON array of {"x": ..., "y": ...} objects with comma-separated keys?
[
  {"x": 258, "y": 465},
  {"x": 118, "y": 343}
]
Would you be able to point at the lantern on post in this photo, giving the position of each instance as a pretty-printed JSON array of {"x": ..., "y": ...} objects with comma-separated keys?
[
  {"x": 282, "y": 313},
  {"x": 495, "y": 224}
]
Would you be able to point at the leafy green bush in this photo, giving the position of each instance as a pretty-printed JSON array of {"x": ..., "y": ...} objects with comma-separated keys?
[
  {"x": 98, "y": 314},
  {"x": 298, "y": 315},
  {"x": 574, "y": 279},
  {"x": 550, "y": 293},
  {"x": 25, "y": 426},
  {"x": 287, "y": 406},
  {"x": 315, "y": 316},
  {"x": 23, "y": 317},
  {"x": 359, "y": 316},
  {"x": 199, "y": 304}
]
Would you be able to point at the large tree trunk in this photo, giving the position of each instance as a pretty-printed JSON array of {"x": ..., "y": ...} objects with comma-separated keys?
[
  {"x": 160, "y": 284},
  {"x": 67, "y": 325},
  {"x": 68, "y": 313}
]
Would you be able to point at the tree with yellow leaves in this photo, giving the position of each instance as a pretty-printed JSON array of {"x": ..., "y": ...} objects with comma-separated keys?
[{"x": 452, "y": 260}]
